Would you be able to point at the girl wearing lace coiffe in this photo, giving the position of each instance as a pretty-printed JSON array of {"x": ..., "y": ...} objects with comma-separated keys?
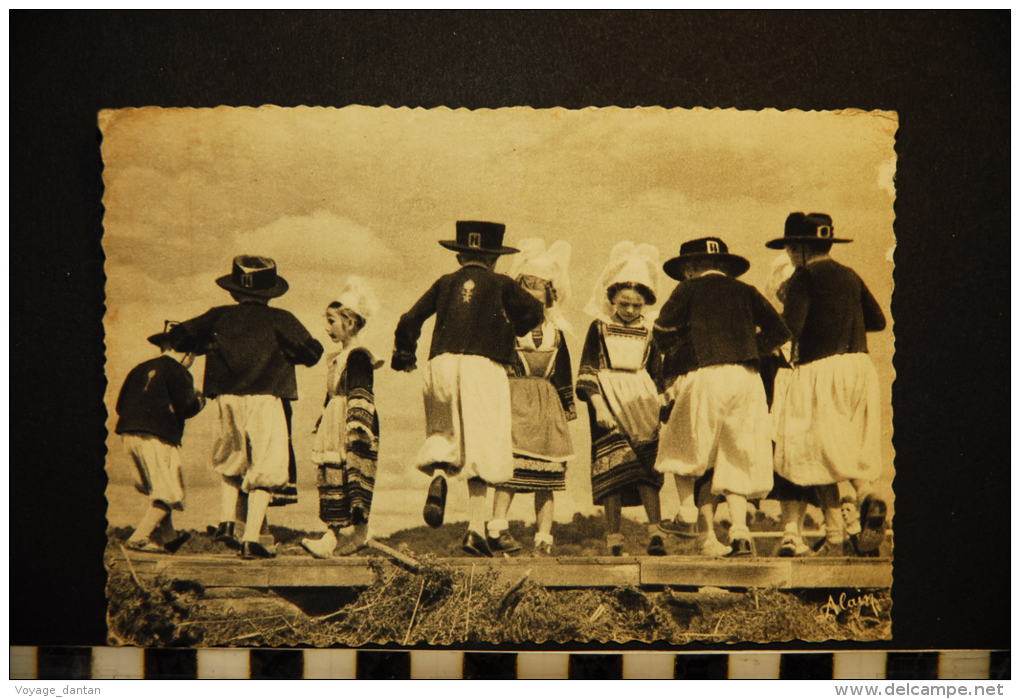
[
  {"x": 541, "y": 398},
  {"x": 346, "y": 439},
  {"x": 618, "y": 378}
]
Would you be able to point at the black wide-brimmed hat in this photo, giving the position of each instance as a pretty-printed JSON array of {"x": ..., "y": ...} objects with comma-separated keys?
[
  {"x": 173, "y": 337},
  {"x": 801, "y": 227},
  {"x": 256, "y": 276},
  {"x": 713, "y": 249},
  {"x": 163, "y": 339},
  {"x": 479, "y": 236}
]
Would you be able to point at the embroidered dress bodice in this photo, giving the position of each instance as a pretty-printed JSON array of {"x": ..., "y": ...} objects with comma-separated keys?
[
  {"x": 627, "y": 346},
  {"x": 538, "y": 354}
]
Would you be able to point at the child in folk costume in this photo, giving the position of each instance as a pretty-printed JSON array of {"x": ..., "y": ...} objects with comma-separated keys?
[
  {"x": 156, "y": 398},
  {"x": 541, "y": 398},
  {"x": 827, "y": 414},
  {"x": 714, "y": 328},
  {"x": 346, "y": 441},
  {"x": 467, "y": 394},
  {"x": 618, "y": 376},
  {"x": 251, "y": 351}
]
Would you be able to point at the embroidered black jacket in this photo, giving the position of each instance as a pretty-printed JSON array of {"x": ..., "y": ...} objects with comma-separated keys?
[{"x": 477, "y": 312}]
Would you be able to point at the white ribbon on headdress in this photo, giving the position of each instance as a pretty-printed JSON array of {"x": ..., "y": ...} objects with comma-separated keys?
[
  {"x": 551, "y": 264},
  {"x": 357, "y": 295},
  {"x": 628, "y": 262}
]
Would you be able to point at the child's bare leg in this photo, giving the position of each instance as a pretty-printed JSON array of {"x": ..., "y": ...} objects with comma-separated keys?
[
  {"x": 614, "y": 539},
  {"x": 152, "y": 518},
  {"x": 229, "y": 501},
  {"x": 612, "y": 505},
  {"x": 793, "y": 512},
  {"x": 834, "y": 527},
  {"x": 650, "y": 499},
  {"x": 476, "y": 505},
  {"x": 544, "y": 512},
  {"x": 258, "y": 503},
  {"x": 360, "y": 533},
  {"x": 738, "y": 516},
  {"x": 688, "y": 512},
  {"x": 500, "y": 508}
]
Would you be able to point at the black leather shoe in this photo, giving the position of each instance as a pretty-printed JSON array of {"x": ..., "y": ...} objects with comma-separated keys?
[
  {"x": 225, "y": 534},
  {"x": 435, "y": 502},
  {"x": 476, "y": 545},
  {"x": 656, "y": 546},
  {"x": 830, "y": 549},
  {"x": 504, "y": 543},
  {"x": 678, "y": 527},
  {"x": 873, "y": 514},
  {"x": 253, "y": 549},
  {"x": 740, "y": 548},
  {"x": 177, "y": 542},
  {"x": 855, "y": 545}
]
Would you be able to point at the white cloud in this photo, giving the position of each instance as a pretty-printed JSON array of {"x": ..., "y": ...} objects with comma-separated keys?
[{"x": 318, "y": 242}]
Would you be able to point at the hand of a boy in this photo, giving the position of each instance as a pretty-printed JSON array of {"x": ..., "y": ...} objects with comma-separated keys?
[{"x": 403, "y": 361}]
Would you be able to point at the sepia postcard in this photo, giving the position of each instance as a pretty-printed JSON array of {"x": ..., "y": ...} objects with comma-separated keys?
[{"x": 501, "y": 376}]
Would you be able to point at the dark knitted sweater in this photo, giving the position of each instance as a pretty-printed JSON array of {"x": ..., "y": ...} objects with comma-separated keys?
[
  {"x": 156, "y": 398},
  {"x": 715, "y": 319},
  {"x": 250, "y": 348},
  {"x": 829, "y": 310}
]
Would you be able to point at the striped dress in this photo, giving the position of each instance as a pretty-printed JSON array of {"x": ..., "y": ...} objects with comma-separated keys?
[
  {"x": 346, "y": 440},
  {"x": 623, "y": 365}
]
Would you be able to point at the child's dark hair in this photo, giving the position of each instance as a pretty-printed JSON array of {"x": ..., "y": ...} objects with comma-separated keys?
[
  {"x": 815, "y": 246},
  {"x": 646, "y": 293},
  {"x": 242, "y": 297},
  {"x": 359, "y": 321},
  {"x": 487, "y": 258}
]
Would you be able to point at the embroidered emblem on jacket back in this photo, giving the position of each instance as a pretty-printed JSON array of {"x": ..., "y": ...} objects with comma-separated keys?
[{"x": 467, "y": 291}]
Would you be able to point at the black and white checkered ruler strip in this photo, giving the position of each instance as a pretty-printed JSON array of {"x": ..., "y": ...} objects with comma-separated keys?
[{"x": 226, "y": 663}]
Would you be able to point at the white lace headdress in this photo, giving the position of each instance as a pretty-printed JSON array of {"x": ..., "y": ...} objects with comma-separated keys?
[
  {"x": 637, "y": 263},
  {"x": 357, "y": 295},
  {"x": 551, "y": 264}
]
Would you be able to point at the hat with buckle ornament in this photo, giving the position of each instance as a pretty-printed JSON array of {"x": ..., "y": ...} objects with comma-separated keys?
[
  {"x": 801, "y": 227},
  {"x": 255, "y": 276},
  {"x": 711, "y": 248},
  {"x": 479, "y": 236}
]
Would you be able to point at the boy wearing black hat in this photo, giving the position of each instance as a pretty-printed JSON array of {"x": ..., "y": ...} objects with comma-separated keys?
[
  {"x": 713, "y": 330},
  {"x": 251, "y": 350},
  {"x": 828, "y": 412},
  {"x": 156, "y": 398},
  {"x": 467, "y": 393}
]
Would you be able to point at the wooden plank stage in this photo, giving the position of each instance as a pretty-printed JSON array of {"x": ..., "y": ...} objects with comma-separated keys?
[{"x": 221, "y": 570}]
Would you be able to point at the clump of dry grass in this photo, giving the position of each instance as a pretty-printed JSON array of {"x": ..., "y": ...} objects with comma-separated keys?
[
  {"x": 153, "y": 613},
  {"x": 441, "y": 606}
]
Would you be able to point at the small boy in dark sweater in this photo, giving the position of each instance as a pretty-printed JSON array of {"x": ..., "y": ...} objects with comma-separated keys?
[
  {"x": 713, "y": 331},
  {"x": 251, "y": 349},
  {"x": 156, "y": 398},
  {"x": 827, "y": 413}
]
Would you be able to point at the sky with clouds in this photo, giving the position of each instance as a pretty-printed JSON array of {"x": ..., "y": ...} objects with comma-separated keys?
[{"x": 369, "y": 191}]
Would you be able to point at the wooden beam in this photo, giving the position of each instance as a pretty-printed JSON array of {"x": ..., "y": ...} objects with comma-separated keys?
[{"x": 688, "y": 571}]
